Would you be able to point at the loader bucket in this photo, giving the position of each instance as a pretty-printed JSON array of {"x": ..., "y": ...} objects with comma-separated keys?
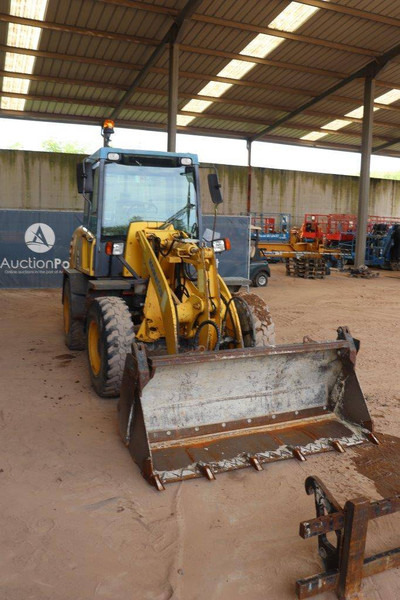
[{"x": 202, "y": 413}]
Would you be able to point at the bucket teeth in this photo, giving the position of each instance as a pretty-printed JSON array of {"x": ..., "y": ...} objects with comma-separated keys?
[
  {"x": 297, "y": 453},
  {"x": 207, "y": 471},
  {"x": 336, "y": 445},
  {"x": 372, "y": 438},
  {"x": 253, "y": 460},
  {"x": 158, "y": 483}
]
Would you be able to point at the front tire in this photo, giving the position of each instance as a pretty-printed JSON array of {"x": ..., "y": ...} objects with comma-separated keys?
[
  {"x": 74, "y": 334},
  {"x": 258, "y": 329},
  {"x": 109, "y": 331}
]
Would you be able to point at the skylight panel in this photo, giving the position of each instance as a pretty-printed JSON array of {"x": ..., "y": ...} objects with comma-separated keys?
[
  {"x": 236, "y": 69},
  {"x": 30, "y": 9},
  {"x": 290, "y": 19},
  {"x": 313, "y": 136},
  {"x": 357, "y": 113},
  {"x": 335, "y": 125},
  {"x": 15, "y": 85},
  {"x": 184, "y": 120},
  {"x": 22, "y": 36},
  {"x": 389, "y": 97},
  {"x": 197, "y": 105},
  {"x": 12, "y": 103},
  {"x": 215, "y": 89},
  {"x": 19, "y": 63},
  {"x": 293, "y": 17},
  {"x": 262, "y": 45}
]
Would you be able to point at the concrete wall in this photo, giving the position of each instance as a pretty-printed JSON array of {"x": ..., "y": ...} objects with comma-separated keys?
[
  {"x": 39, "y": 180},
  {"x": 46, "y": 180},
  {"x": 297, "y": 193}
]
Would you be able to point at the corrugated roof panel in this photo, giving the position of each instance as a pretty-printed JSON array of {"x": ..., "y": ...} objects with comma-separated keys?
[
  {"x": 251, "y": 11},
  {"x": 346, "y": 29},
  {"x": 383, "y": 7},
  {"x": 263, "y": 96}
]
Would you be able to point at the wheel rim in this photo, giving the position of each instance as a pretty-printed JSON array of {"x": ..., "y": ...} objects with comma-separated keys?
[
  {"x": 93, "y": 347},
  {"x": 66, "y": 314},
  {"x": 262, "y": 280}
]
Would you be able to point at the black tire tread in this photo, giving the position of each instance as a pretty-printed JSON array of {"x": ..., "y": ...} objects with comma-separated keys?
[
  {"x": 118, "y": 335},
  {"x": 263, "y": 324},
  {"x": 75, "y": 338}
]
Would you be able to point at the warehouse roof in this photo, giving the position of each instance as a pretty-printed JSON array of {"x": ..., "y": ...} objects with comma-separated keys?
[{"x": 281, "y": 71}]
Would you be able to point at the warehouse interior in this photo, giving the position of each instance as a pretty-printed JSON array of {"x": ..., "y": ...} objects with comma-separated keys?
[{"x": 79, "y": 518}]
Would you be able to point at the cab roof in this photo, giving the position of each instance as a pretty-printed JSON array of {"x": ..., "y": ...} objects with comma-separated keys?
[{"x": 104, "y": 151}]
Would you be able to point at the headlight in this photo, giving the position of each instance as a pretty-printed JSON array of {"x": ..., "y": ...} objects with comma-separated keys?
[
  {"x": 114, "y": 248},
  {"x": 221, "y": 245}
]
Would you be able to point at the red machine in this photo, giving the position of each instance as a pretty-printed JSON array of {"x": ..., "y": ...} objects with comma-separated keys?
[
  {"x": 334, "y": 229},
  {"x": 315, "y": 226},
  {"x": 374, "y": 220},
  {"x": 341, "y": 228}
]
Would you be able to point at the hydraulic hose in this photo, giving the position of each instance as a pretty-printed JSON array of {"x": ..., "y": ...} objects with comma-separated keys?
[{"x": 197, "y": 335}]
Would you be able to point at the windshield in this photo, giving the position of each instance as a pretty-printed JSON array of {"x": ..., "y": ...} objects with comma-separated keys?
[{"x": 135, "y": 192}]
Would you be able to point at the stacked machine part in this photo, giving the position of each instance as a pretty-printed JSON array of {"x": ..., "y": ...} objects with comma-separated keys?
[{"x": 307, "y": 268}]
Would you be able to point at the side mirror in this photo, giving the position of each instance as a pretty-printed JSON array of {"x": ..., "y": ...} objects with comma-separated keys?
[
  {"x": 215, "y": 188},
  {"x": 84, "y": 177}
]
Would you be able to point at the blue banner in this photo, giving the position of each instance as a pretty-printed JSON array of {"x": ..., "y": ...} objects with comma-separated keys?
[
  {"x": 34, "y": 247},
  {"x": 235, "y": 262}
]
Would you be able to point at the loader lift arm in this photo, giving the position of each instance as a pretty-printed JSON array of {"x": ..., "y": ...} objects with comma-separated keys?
[{"x": 201, "y": 316}]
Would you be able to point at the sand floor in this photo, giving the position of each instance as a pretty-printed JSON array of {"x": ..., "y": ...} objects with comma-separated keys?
[{"x": 78, "y": 521}]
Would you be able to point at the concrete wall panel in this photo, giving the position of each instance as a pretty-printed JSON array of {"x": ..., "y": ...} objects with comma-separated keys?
[{"x": 45, "y": 180}]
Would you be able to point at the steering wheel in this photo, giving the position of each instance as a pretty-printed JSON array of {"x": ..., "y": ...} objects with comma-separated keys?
[{"x": 194, "y": 231}]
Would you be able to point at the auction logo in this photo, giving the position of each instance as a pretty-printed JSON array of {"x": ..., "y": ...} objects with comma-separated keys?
[{"x": 39, "y": 237}]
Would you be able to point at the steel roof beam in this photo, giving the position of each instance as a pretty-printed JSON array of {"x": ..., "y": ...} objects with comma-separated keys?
[
  {"x": 215, "y": 116},
  {"x": 94, "y": 33},
  {"x": 187, "y": 74},
  {"x": 223, "y": 100},
  {"x": 372, "y": 68},
  {"x": 261, "y": 61},
  {"x": 208, "y": 19},
  {"x": 173, "y": 35},
  {"x": 104, "y": 62},
  {"x": 338, "y": 8},
  {"x": 157, "y": 92},
  {"x": 70, "y": 118},
  {"x": 353, "y": 12},
  {"x": 385, "y": 145}
]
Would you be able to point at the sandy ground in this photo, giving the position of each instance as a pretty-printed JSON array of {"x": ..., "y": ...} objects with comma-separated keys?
[{"x": 79, "y": 522}]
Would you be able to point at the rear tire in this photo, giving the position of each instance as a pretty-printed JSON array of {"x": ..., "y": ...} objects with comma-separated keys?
[
  {"x": 74, "y": 333},
  {"x": 110, "y": 336},
  {"x": 261, "y": 279},
  {"x": 255, "y": 321}
]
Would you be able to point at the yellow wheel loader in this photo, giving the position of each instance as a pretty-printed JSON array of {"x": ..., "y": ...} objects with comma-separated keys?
[{"x": 204, "y": 389}]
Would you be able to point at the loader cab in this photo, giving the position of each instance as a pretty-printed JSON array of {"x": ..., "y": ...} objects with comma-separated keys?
[{"x": 125, "y": 186}]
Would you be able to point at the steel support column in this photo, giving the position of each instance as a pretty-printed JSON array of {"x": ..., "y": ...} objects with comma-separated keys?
[
  {"x": 366, "y": 147},
  {"x": 249, "y": 175},
  {"x": 173, "y": 94}
]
